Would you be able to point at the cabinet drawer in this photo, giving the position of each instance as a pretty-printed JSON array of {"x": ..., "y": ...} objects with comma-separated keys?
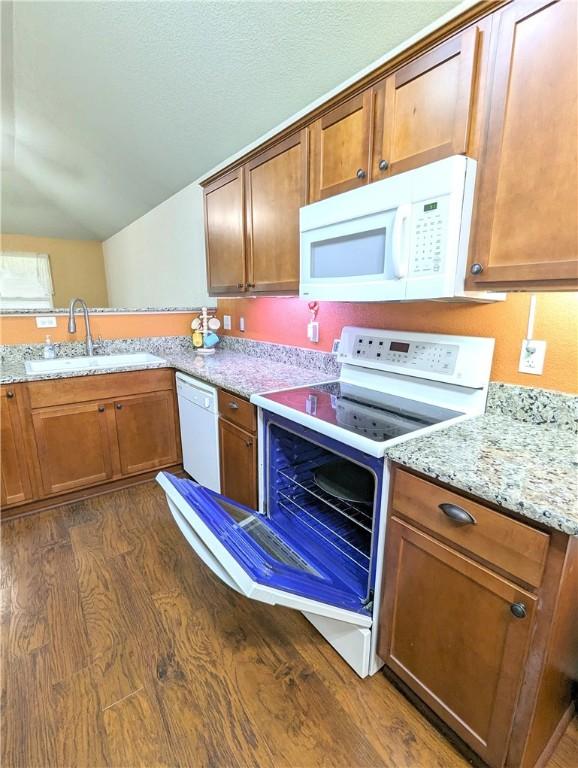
[
  {"x": 237, "y": 411},
  {"x": 511, "y": 546},
  {"x": 98, "y": 387}
]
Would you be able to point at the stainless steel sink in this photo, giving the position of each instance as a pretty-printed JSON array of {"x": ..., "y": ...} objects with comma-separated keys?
[{"x": 64, "y": 364}]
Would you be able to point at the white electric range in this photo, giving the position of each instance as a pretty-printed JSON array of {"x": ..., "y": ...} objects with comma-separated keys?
[{"x": 316, "y": 543}]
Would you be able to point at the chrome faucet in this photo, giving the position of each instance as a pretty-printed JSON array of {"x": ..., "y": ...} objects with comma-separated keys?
[{"x": 72, "y": 323}]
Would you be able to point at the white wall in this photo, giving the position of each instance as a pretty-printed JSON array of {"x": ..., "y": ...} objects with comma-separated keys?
[{"x": 159, "y": 259}]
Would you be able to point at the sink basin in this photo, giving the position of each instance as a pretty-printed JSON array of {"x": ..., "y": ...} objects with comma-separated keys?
[{"x": 63, "y": 364}]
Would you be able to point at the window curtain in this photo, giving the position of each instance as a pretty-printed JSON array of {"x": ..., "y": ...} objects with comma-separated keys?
[{"x": 25, "y": 280}]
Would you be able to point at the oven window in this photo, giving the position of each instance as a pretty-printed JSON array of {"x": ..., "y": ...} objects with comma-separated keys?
[{"x": 350, "y": 255}]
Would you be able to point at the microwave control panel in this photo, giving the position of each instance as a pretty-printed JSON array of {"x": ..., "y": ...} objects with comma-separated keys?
[
  {"x": 429, "y": 225},
  {"x": 411, "y": 355}
]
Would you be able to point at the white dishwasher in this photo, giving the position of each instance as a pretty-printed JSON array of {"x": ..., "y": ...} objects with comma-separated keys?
[{"x": 199, "y": 417}]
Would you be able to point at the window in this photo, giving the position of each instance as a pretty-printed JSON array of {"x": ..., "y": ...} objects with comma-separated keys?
[{"x": 25, "y": 280}]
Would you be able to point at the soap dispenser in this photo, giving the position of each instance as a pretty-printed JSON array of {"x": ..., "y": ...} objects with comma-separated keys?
[{"x": 48, "y": 351}]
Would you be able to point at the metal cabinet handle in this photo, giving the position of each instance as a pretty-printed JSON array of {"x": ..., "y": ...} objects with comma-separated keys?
[
  {"x": 248, "y": 443},
  {"x": 476, "y": 269},
  {"x": 240, "y": 285},
  {"x": 383, "y": 165},
  {"x": 361, "y": 174},
  {"x": 457, "y": 514},
  {"x": 10, "y": 394},
  {"x": 519, "y": 610},
  {"x": 233, "y": 406},
  {"x": 101, "y": 409},
  {"x": 118, "y": 406},
  {"x": 250, "y": 285}
]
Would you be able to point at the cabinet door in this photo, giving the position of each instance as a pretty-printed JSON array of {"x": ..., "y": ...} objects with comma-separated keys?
[
  {"x": 238, "y": 450},
  {"x": 340, "y": 148},
  {"x": 526, "y": 232},
  {"x": 448, "y": 631},
  {"x": 145, "y": 426},
  {"x": 225, "y": 234},
  {"x": 15, "y": 482},
  {"x": 423, "y": 110},
  {"x": 73, "y": 444},
  {"x": 276, "y": 187}
]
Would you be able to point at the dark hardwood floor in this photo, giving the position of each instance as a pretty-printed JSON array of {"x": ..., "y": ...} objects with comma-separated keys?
[{"x": 119, "y": 648}]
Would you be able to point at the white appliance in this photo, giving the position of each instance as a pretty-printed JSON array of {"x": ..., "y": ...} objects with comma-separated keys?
[
  {"x": 306, "y": 548},
  {"x": 402, "y": 238},
  {"x": 199, "y": 423}
]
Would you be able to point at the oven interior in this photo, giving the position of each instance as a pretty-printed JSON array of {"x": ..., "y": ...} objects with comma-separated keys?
[{"x": 338, "y": 531}]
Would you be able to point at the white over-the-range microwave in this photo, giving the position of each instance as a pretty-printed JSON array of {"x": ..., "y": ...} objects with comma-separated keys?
[{"x": 399, "y": 239}]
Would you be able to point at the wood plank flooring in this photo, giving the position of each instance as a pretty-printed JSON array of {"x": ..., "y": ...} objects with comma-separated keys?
[{"x": 119, "y": 648}]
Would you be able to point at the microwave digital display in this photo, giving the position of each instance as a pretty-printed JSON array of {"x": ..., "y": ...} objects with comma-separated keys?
[
  {"x": 398, "y": 346},
  {"x": 430, "y": 207}
]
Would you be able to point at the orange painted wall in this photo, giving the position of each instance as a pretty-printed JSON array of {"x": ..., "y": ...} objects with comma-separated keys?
[
  {"x": 284, "y": 320},
  {"x": 23, "y": 330}
]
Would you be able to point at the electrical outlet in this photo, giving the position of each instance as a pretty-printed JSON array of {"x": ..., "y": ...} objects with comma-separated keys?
[
  {"x": 242, "y": 324},
  {"x": 226, "y": 322},
  {"x": 46, "y": 322},
  {"x": 532, "y": 357}
]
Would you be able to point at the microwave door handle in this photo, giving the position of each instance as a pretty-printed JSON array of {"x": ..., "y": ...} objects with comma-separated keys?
[{"x": 399, "y": 246}]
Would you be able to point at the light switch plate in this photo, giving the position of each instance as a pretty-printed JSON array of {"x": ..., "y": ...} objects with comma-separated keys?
[
  {"x": 313, "y": 332},
  {"x": 46, "y": 322},
  {"x": 227, "y": 322},
  {"x": 242, "y": 324},
  {"x": 532, "y": 357}
]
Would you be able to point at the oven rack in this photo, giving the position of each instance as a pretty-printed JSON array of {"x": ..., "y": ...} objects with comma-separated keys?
[
  {"x": 342, "y": 537},
  {"x": 354, "y": 512}
]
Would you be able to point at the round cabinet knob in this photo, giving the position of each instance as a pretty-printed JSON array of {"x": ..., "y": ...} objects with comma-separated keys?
[
  {"x": 250, "y": 285},
  {"x": 101, "y": 408},
  {"x": 383, "y": 165},
  {"x": 10, "y": 394},
  {"x": 476, "y": 269},
  {"x": 240, "y": 285},
  {"x": 360, "y": 173},
  {"x": 118, "y": 406},
  {"x": 248, "y": 443},
  {"x": 233, "y": 406},
  {"x": 518, "y": 610}
]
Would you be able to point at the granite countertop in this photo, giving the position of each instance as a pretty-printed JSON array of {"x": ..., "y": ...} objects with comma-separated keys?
[
  {"x": 530, "y": 469},
  {"x": 241, "y": 373}
]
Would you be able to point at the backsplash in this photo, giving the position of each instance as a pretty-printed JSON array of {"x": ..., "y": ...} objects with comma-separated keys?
[{"x": 284, "y": 321}]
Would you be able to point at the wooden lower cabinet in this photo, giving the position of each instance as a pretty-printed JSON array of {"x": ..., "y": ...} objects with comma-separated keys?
[
  {"x": 487, "y": 643},
  {"x": 146, "y": 427},
  {"x": 73, "y": 446},
  {"x": 453, "y": 638},
  {"x": 76, "y": 434},
  {"x": 238, "y": 451},
  {"x": 15, "y": 486}
]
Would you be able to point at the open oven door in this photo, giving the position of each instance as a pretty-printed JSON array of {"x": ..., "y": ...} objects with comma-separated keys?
[{"x": 258, "y": 559}]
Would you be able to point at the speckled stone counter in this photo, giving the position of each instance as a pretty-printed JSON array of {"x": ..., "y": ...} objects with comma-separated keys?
[
  {"x": 528, "y": 468},
  {"x": 240, "y": 372}
]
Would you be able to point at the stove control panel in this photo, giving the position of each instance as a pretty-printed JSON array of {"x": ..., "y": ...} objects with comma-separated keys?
[
  {"x": 460, "y": 360},
  {"x": 421, "y": 356}
]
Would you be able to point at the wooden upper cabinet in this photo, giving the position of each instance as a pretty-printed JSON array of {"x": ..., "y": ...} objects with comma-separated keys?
[
  {"x": 448, "y": 630},
  {"x": 225, "y": 234},
  {"x": 526, "y": 225},
  {"x": 74, "y": 446},
  {"x": 340, "y": 148},
  {"x": 15, "y": 485},
  {"x": 276, "y": 187},
  {"x": 146, "y": 429},
  {"x": 423, "y": 110}
]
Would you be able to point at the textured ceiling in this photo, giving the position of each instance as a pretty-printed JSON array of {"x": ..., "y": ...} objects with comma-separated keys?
[{"x": 111, "y": 107}]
